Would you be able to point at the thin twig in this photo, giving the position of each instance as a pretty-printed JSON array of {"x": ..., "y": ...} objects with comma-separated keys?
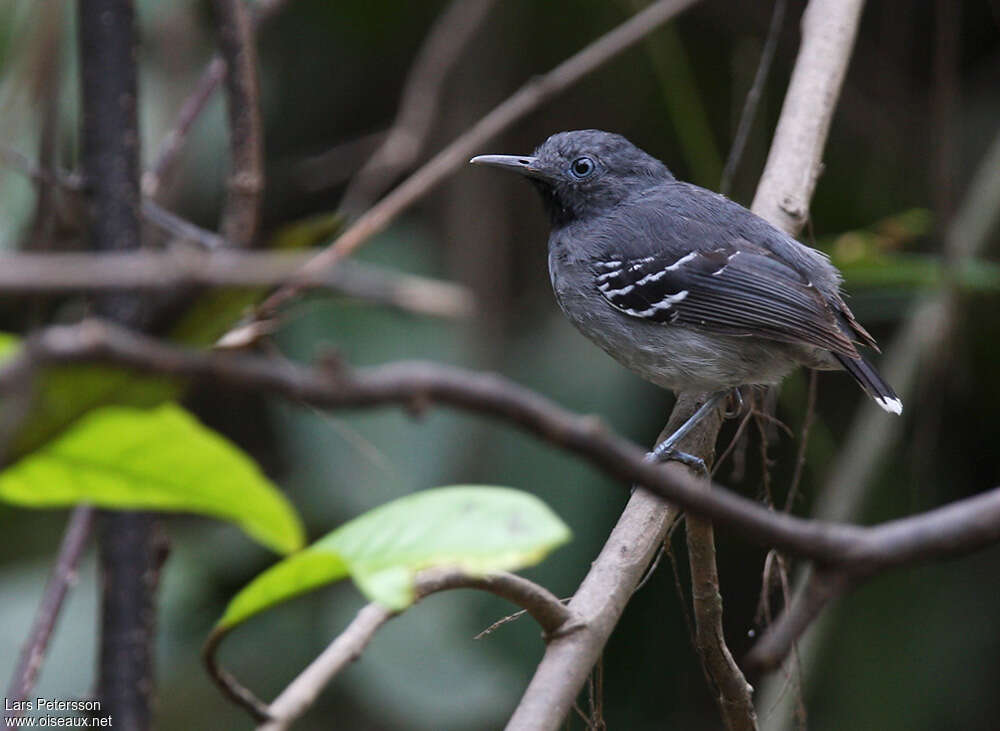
[
  {"x": 23, "y": 274},
  {"x": 733, "y": 442},
  {"x": 777, "y": 642},
  {"x": 800, "y": 457},
  {"x": 302, "y": 692},
  {"x": 173, "y": 142},
  {"x": 23, "y": 164},
  {"x": 524, "y": 100},
  {"x": 74, "y": 543},
  {"x": 420, "y": 102},
  {"x": 241, "y": 211},
  {"x": 753, "y": 97}
]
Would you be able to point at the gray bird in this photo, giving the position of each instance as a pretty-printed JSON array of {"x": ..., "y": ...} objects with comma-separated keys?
[{"x": 682, "y": 285}]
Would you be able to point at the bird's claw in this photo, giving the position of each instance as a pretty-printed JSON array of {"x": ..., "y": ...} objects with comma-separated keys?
[{"x": 669, "y": 454}]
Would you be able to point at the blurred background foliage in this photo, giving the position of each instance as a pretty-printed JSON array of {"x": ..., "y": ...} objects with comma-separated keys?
[{"x": 918, "y": 649}]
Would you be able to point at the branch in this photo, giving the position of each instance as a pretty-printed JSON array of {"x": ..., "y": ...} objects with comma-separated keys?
[
  {"x": 925, "y": 331},
  {"x": 749, "y": 112},
  {"x": 64, "y": 575},
  {"x": 598, "y": 603},
  {"x": 789, "y": 178},
  {"x": 23, "y": 274},
  {"x": 777, "y": 642},
  {"x": 733, "y": 693},
  {"x": 420, "y": 102},
  {"x": 783, "y": 194},
  {"x": 455, "y": 155},
  {"x": 173, "y": 142},
  {"x": 301, "y": 693},
  {"x": 241, "y": 210},
  {"x": 957, "y": 529},
  {"x": 127, "y": 548},
  {"x": 795, "y": 160}
]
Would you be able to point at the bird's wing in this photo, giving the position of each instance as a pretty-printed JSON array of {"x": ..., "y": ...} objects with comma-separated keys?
[{"x": 673, "y": 269}]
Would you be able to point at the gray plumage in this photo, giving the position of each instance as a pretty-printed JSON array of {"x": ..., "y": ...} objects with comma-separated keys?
[{"x": 685, "y": 287}]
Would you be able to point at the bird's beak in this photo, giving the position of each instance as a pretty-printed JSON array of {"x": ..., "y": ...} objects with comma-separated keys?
[{"x": 515, "y": 163}]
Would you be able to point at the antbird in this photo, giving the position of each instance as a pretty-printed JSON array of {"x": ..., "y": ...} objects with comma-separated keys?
[{"x": 682, "y": 285}]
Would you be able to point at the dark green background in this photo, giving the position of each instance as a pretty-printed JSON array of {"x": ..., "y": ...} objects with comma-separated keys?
[{"x": 917, "y": 649}]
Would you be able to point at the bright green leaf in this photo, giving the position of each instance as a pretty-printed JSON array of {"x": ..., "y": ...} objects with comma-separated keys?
[
  {"x": 477, "y": 529},
  {"x": 159, "y": 459},
  {"x": 295, "y": 575}
]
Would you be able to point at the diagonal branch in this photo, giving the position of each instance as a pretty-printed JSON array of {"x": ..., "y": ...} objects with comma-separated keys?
[
  {"x": 550, "y": 613},
  {"x": 74, "y": 543},
  {"x": 524, "y": 100},
  {"x": 420, "y": 102}
]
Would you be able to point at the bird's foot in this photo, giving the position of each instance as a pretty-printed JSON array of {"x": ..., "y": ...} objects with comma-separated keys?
[{"x": 669, "y": 454}]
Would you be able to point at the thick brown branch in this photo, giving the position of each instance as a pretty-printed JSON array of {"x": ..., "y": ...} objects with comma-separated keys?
[
  {"x": 22, "y": 274},
  {"x": 959, "y": 528}
]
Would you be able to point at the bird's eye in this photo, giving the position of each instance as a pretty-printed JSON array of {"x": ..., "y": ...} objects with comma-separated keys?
[{"x": 582, "y": 167}]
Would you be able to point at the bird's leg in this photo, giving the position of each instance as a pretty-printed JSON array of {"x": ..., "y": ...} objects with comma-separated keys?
[{"x": 665, "y": 451}]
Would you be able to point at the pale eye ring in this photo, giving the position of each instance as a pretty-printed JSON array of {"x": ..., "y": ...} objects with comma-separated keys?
[{"x": 582, "y": 167}]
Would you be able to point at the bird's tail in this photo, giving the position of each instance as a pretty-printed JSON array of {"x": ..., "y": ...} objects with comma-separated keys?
[{"x": 873, "y": 384}]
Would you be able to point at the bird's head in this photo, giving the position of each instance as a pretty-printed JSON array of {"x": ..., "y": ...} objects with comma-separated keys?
[{"x": 583, "y": 173}]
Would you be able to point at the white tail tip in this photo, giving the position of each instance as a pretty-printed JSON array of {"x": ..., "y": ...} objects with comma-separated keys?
[{"x": 892, "y": 405}]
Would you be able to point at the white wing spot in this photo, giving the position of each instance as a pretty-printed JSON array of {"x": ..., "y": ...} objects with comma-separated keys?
[
  {"x": 608, "y": 275},
  {"x": 617, "y": 292},
  {"x": 640, "y": 263},
  {"x": 732, "y": 256},
  {"x": 607, "y": 264},
  {"x": 663, "y": 304},
  {"x": 652, "y": 277},
  {"x": 717, "y": 272},
  {"x": 682, "y": 260}
]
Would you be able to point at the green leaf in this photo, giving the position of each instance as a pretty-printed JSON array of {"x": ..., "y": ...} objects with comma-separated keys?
[
  {"x": 160, "y": 459},
  {"x": 477, "y": 529}
]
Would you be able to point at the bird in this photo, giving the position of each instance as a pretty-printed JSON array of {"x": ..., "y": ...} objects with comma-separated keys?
[{"x": 682, "y": 285}]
